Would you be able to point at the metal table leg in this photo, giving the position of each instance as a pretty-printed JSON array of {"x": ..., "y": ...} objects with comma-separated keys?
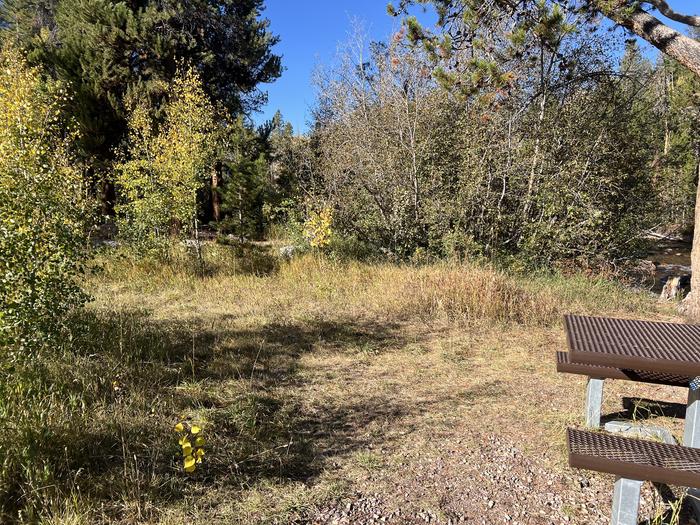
[
  {"x": 691, "y": 435},
  {"x": 626, "y": 501},
  {"x": 594, "y": 401}
]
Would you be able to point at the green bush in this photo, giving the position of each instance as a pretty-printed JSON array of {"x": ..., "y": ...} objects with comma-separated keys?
[
  {"x": 42, "y": 249},
  {"x": 42, "y": 209}
]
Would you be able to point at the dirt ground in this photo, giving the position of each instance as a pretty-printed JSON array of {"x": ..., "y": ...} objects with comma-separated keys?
[{"x": 474, "y": 434}]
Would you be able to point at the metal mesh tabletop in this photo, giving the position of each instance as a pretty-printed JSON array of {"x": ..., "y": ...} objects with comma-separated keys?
[
  {"x": 667, "y": 348},
  {"x": 565, "y": 365},
  {"x": 634, "y": 458}
]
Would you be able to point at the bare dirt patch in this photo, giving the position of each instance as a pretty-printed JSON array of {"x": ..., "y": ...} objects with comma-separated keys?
[{"x": 464, "y": 427}]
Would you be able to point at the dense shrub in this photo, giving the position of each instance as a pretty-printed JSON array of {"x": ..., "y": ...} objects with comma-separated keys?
[
  {"x": 42, "y": 208},
  {"x": 568, "y": 163},
  {"x": 43, "y": 235}
]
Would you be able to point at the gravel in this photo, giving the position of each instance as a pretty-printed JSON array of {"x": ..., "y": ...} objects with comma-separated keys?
[{"x": 496, "y": 482}]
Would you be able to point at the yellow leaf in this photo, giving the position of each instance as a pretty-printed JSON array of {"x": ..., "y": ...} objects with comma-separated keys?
[
  {"x": 200, "y": 452},
  {"x": 189, "y": 462},
  {"x": 199, "y": 442},
  {"x": 179, "y": 427},
  {"x": 190, "y": 469},
  {"x": 186, "y": 449},
  {"x": 195, "y": 429}
]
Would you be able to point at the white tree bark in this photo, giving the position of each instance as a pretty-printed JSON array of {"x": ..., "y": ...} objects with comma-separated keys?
[{"x": 682, "y": 48}]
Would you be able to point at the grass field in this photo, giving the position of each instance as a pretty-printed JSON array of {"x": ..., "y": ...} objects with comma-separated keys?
[{"x": 328, "y": 392}]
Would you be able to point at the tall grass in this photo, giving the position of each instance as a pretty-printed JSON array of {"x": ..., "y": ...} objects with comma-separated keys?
[
  {"x": 462, "y": 293},
  {"x": 466, "y": 295}
]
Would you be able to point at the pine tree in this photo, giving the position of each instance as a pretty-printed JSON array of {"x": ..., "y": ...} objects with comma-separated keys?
[{"x": 115, "y": 53}]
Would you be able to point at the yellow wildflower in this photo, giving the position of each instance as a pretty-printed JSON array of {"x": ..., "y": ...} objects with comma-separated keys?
[{"x": 189, "y": 464}]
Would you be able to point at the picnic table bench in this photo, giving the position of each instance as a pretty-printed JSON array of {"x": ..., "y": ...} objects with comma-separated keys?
[
  {"x": 634, "y": 458},
  {"x": 643, "y": 351},
  {"x": 565, "y": 365}
]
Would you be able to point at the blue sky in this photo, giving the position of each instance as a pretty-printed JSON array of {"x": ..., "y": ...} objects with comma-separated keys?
[{"x": 310, "y": 32}]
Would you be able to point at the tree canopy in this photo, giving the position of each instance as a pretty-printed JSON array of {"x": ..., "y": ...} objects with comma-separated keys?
[
  {"x": 113, "y": 52},
  {"x": 464, "y": 20}
]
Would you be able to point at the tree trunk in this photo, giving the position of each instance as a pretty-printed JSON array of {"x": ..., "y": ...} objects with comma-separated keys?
[
  {"x": 215, "y": 195},
  {"x": 240, "y": 215},
  {"x": 684, "y": 49},
  {"x": 691, "y": 304},
  {"x": 535, "y": 156},
  {"x": 107, "y": 198},
  {"x": 198, "y": 245}
]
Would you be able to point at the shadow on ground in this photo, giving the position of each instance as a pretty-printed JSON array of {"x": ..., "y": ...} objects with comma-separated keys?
[
  {"x": 641, "y": 409},
  {"x": 137, "y": 374}
]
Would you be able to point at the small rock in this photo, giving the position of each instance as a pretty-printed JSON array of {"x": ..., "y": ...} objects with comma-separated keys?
[{"x": 287, "y": 252}]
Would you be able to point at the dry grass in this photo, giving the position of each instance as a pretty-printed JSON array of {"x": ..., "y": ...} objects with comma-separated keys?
[
  {"x": 310, "y": 377},
  {"x": 310, "y": 285}
]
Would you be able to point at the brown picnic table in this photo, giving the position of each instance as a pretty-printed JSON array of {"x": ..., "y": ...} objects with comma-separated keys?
[
  {"x": 670, "y": 348},
  {"x": 643, "y": 351}
]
